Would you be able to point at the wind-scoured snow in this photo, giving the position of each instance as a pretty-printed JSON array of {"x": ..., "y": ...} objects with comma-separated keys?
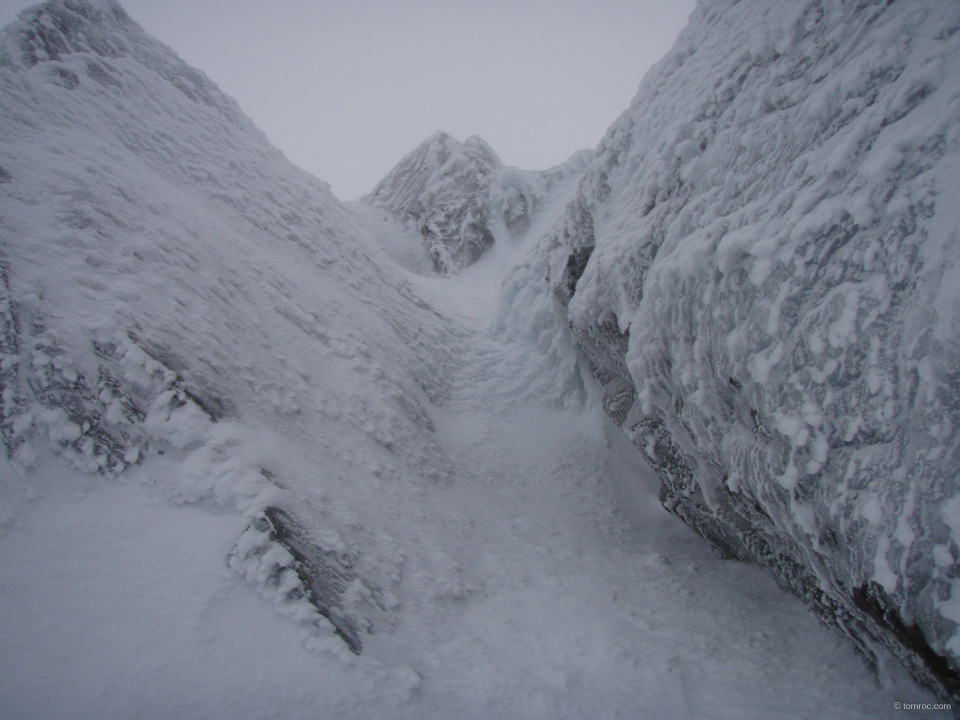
[
  {"x": 256, "y": 469},
  {"x": 761, "y": 264}
]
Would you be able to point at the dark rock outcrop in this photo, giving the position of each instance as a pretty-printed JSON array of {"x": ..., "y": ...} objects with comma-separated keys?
[
  {"x": 441, "y": 190},
  {"x": 323, "y": 577}
]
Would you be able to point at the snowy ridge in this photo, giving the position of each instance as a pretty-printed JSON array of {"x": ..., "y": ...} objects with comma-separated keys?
[
  {"x": 760, "y": 266},
  {"x": 462, "y": 199}
]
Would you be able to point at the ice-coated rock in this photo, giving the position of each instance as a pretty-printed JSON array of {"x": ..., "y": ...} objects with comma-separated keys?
[
  {"x": 461, "y": 198},
  {"x": 760, "y": 265},
  {"x": 441, "y": 189}
]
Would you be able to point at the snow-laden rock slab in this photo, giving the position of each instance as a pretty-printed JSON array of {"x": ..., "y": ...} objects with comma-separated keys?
[{"x": 761, "y": 266}]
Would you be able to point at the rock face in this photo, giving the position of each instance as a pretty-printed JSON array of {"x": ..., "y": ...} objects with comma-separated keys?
[
  {"x": 460, "y": 197},
  {"x": 760, "y": 267}
]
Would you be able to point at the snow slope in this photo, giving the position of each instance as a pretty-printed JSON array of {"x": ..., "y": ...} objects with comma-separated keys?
[
  {"x": 255, "y": 471},
  {"x": 177, "y": 292},
  {"x": 760, "y": 266}
]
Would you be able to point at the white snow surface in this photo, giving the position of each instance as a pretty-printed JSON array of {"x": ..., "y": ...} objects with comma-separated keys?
[{"x": 196, "y": 330}]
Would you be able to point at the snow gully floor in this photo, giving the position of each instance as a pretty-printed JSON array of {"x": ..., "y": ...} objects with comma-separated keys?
[{"x": 567, "y": 592}]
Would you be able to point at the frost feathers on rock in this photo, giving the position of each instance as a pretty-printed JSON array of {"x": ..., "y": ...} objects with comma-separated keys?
[
  {"x": 461, "y": 198},
  {"x": 441, "y": 190},
  {"x": 761, "y": 266}
]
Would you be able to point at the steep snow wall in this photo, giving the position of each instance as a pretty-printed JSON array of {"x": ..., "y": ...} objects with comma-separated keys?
[
  {"x": 460, "y": 197},
  {"x": 761, "y": 266},
  {"x": 176, "y": 294}
]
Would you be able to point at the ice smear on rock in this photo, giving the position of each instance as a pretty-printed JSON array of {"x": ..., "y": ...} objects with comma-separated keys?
[{"x": 760, "y": 266}]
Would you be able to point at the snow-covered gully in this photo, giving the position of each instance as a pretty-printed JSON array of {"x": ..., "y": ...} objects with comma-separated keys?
[
  {"x": 261, "y": 461},
  {"x": 542, "y": 579}
]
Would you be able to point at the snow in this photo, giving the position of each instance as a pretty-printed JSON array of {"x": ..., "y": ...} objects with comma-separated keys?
[
  {"x": 545, "y": 582},
  {"x": 195, "y": 332}
]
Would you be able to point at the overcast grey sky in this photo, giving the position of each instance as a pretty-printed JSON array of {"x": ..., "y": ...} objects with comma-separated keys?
[{"x": 346, "y": 89}]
